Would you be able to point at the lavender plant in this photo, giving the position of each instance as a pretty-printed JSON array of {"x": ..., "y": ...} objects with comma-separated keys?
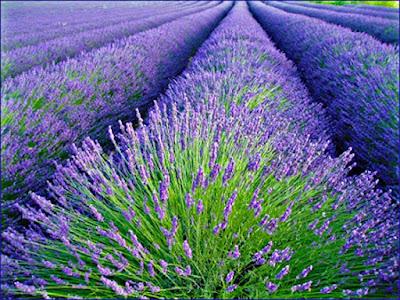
[
  {"x": 382, "y": 29},
  {"x": 44, "y": 111},
  {"x": 354, "y": 75},
  {"x": 216, "y": 197}
]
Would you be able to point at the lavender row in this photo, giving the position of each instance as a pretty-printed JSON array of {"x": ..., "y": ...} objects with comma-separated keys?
[
  {"x": 44, "y": 113},
  {"x": 222, "y": 195},
  {"x": 376, "y": 8},
  {"x": 22, "y": 59},
  {"x": 382, "y": 29},
  {"x": 13, "y": 40},
  {"x": 392, "y": 15},
  {"x": 354, "y": 75}
]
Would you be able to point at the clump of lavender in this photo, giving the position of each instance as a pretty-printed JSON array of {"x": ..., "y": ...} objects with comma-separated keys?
[
  {"x": 218, "y": 196},
  {"x": 121, "y": 225}
]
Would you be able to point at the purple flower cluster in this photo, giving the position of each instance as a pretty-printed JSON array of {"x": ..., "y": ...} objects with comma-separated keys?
[
  {"x": 382, "y": 29},
  {"x": 45, "y": 111},
  {"x": 354, "y": 75},
  {"x": 18, "y": 60}
]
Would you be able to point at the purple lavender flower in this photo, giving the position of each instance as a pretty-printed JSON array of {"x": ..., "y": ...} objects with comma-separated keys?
[
  {"x": 164, "y": 266},
  {"x": 271, "y": 287},
  {"x": 231, "y": 288},
  {"x": 150, "y": 268},
  {"x": 187, "y": 249},
  {"x": 235, "y": 254},
  {"x": 199, "y": 207},
  {"x": 328, "y": 289},
  {"x": 283, "y": 272},
  {"x": 198, "y": 182},
  {"x": 189, "y": 200},
  {"x": 183, "y": 273},
  {"x": 97, "y": 215},
  {"x": 305, "y": 272},
  {"x": 228, "y": 171},
  {"x": 163, "y": 191},
  {"x": 302, "y": 287},
  {"x": 28, "y": 289},
  {"x": 229, "y": 277}
]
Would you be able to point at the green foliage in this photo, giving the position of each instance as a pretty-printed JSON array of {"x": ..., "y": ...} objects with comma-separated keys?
[{"x": 393, "y": 4}]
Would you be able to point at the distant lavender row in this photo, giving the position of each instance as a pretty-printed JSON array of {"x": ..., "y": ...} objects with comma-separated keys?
[
  {"x": 375, "y": 8},
  {"x": 266, "y": 78},
  {"x": 13, "y": 40},
  {"x": 22, "y": 59},
  {"x": 221, "y": 195},
  {"x": 384, "y": 30},
  {"x": 28, "y": 17},
  {"x": 354, "y": 75},
  {"x": 44, "y": 112},
  {"x": 350, "y": 9}
]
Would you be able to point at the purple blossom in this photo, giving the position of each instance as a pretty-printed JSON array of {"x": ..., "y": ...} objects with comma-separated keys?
[
  {"x": 119, "y": 290},
  {"x": 164, "y": 266},
  {"x": 271, "y": 287},
  {"x": 187, "y": 249},
  {"x": 150, "y": 268},
  {"x": 228, "y": 171},
  {"x": 235, "y": 254},
  {"x": 328, "y": 289},
  {"x": 199, "y": 207},
  {"x": 302, "y": 287},
  {"x": 163, "y": 191},
  {"x": 183, "y": 273},
  {"x": 305, "y": 272},
  {"x": 153, "y": 288},
  {"x": 229, "y": 277},
  {"x": 283, "y": 272},
  {"x": 29, "y": 289},
  {"x": 104, "y": 270},
  {"x": 48, "y": 264},
  {"x": 96, "y": 214},
  {"x": 189, "y": 200},
  {"x": 231, "y": 288},
  {"x": 199, "y": 180}
]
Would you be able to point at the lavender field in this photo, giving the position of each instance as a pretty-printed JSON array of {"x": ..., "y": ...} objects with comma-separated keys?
[{"x": 199, "y": 149}]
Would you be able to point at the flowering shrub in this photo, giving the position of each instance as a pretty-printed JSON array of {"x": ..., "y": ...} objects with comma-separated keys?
[
  {"x": 354, "y": 75},
  {"x": 218, "y": 196}
]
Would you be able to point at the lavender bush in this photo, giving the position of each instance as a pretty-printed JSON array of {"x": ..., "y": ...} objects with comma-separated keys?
[
  {"x": 49, "y": 52},
  {"x": 217, "y": 196},
  {"x": 355, "y": 76},
  {"x": 44, "y": 111},
  {"x": 391, "y": 14},
  {"x": 384, "y": 30}
]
